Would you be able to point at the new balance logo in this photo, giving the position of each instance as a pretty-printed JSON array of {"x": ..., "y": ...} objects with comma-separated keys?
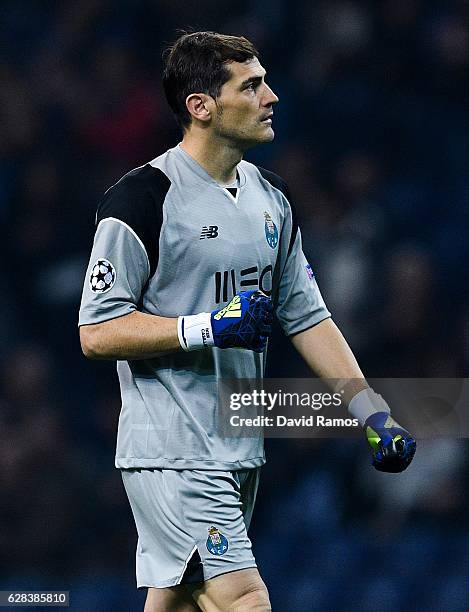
[{"x": 209, "y": 232}]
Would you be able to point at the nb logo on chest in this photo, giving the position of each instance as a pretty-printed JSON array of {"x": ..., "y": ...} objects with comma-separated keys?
[{"x": 210, "y": 231}]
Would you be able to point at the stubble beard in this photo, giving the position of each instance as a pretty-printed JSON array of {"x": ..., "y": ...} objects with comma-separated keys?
[{"x": 246, "y": 138}]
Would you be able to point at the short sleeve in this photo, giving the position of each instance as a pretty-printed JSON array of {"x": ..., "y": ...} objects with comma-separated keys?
[
  {"x": 117, "y": 272},
  {"x": 125, "y": 250},
  {"x": 300, "y": 303}
]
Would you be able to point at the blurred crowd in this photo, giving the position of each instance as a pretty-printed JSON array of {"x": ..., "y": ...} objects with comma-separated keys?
[{"x": 372, "y": 134}]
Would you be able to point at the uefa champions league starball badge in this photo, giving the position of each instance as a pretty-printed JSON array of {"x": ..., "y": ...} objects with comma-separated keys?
[
  {"x": 271, "y": 231},
  {"x": 103, "y": 276},
  {"x": 217, "y": 544}
]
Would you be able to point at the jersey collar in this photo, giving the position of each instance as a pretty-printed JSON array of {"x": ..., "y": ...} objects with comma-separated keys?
[{"x": 201, "y": 172}]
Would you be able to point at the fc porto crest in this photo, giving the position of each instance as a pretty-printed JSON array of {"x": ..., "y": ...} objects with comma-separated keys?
[
  {"x": 217, "y": 544},
  {"x": 271, "y": 231}
]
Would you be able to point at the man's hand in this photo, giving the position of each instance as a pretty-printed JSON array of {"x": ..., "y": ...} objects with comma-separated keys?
[
  {"x": 393, "y": 447},
  {"x": 246, "y": 322}
]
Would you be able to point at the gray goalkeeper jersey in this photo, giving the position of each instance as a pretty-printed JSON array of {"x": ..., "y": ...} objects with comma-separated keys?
[{"x": 171, "y": 241}]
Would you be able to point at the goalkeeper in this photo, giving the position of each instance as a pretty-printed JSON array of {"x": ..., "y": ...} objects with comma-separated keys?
[{"x": 193, "y": 255}]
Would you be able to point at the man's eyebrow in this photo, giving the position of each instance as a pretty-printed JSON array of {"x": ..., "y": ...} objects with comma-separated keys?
[{"x": 255, "y": 80}]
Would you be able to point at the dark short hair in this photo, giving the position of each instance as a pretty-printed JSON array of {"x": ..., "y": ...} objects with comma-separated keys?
[{"x": 197, "y": 63}]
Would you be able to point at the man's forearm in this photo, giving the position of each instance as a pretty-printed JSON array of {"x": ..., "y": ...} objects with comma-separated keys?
[
  {"x": 327, "y": 353},
  {"x": 143, "y": 336},
  {"x": 134, "y": 336}
]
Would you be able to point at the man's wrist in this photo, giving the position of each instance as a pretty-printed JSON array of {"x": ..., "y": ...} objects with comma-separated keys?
[
  {"x": 365, "y": 403},
  {"x": 195, "y": 331}
]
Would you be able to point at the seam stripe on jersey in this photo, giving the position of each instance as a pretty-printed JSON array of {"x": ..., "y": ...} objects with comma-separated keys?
[
  {"x": 112, "y": 186},
  {"x": 131, "y": 231}
]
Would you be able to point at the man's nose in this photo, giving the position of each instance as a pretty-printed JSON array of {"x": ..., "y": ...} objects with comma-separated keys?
[{"x": 270, "y": 97}]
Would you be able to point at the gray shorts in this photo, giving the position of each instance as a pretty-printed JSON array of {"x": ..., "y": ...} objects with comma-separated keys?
[{"x": 192, "y": 524}]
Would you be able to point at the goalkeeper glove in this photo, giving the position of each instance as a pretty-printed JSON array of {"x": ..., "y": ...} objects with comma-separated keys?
[
  {"x": 393, "y": 447},
  {"x": 246, "y": 322}
]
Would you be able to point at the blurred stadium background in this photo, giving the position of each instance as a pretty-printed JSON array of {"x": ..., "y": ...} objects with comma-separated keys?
[{"x": 372, "y": 133}]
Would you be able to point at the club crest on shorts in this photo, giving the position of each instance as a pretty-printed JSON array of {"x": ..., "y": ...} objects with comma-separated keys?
[
  {"x": 271, "y": 231},
  {"x": 217, "y": 544},
  {"x": 103, "y": 276}
]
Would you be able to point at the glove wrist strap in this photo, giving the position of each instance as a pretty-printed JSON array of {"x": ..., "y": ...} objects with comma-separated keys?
[
  {"x": 195, "y": 331},
  {"x": 365, "y": 403}
]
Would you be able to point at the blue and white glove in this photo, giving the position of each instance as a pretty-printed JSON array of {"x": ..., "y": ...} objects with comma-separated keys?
[
  {"x": 246, "y": 322},
  {"x": 392, "y": 446}
]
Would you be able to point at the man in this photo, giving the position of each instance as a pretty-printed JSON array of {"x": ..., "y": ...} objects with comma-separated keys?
[{"x": 192, "y": 253}]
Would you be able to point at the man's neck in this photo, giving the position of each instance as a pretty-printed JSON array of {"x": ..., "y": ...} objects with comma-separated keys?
[{"x": 216, "y": 157}]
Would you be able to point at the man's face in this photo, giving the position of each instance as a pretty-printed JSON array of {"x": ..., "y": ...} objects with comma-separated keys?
[{"x": 245, "y": 106}]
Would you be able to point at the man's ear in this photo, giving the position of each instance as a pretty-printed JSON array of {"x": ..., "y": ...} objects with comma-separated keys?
[{"x": 199, "y": 106}]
